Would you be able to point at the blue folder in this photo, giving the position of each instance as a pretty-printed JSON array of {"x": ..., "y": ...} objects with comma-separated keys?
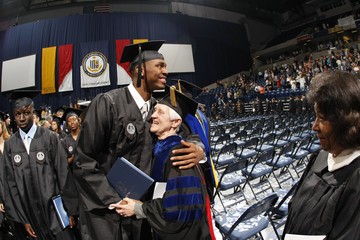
[
  {"x": 128, "y": 180},
  {"x": 60, "y": 211}
]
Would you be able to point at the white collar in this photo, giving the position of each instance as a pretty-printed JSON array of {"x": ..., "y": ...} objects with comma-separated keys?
[
  {"x": 136, "y": 96},
  {"x": 31, "y": 132},
  {"x": 343, "y": 159}
]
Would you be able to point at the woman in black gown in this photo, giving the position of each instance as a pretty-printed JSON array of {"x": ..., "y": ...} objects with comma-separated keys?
[{"x": 327, "y": 200}]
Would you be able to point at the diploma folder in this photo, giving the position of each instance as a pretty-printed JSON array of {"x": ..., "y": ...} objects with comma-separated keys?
[
  {"x": 60, "y": 212},
  {"x": 128, "y": 180}
]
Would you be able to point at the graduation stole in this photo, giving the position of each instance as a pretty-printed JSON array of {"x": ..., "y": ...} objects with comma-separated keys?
[
  {"x": 199, "y": 127},
  {"x": 162, "y": 151}
]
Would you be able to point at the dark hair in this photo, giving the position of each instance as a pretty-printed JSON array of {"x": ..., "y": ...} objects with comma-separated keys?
[
  {"x": 337, "y": 97},
  {"x": 23, "y": 102}
]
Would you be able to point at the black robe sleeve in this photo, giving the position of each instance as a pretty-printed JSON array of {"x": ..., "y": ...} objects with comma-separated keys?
[
  {"x": 327, "y": 203},
  {"x": 92, "y": 151}
]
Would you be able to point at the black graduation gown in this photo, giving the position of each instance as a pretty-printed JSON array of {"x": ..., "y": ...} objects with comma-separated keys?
[
  {"x": 113, "y": 127},
  {"x": 181, "y": 213},
  {"x": 33, "y": 179},
  {"x": 327, "y": 203},
  {"x": 69, "y": 144}
]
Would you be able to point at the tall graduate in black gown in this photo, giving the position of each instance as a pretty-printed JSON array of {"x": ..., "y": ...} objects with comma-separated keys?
[
  {"x": 114, "y": 127},
  {"x": 183, "y": 212},
  {"x": 35, "y": 171},
  {"x": 327, "y": 201}
]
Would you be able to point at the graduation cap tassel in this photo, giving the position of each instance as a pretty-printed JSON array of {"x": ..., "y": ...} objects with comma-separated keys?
[
  {"x": 179, "y": 86},
  {"x": 138, "y": 83},
  {"x": 172, "y": 96}
]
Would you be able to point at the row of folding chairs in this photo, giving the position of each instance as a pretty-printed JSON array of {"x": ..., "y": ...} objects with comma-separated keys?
[{"x": 240, "y": 169}]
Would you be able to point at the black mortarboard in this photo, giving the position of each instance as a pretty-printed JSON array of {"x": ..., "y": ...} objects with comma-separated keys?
[
  {"x": 2, "y": 116},
  {"x": 57, "y": 119},
  {"x": 83, "y": 105},
  {"x": 187, "y": 88},
  {"x": 179, "y": 102},
  {"x": 63, "y": 108},
  {"x": 37, "y": 112},
  {"x": 23, "y": 97},
  {"x": 71, "y": 112},
  {"x": 139, "y": 53}
]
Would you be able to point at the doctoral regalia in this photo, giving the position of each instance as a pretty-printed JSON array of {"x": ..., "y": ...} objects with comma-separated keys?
[
  {"x": 33, "y": 179},
  {"x": 199, "y": 125},
  {"x": 327, "y": 203},
  {"x": 183, "y": 211}
]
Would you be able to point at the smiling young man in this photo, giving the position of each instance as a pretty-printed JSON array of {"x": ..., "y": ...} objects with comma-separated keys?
[
  {"x": 36, "y": 170},
  {"x": 116, "y": 125}
]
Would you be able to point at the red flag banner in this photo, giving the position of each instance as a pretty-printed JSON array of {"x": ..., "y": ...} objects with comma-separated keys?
[
  {"x": 65, "y": 56},
  {"x": 123, "y": 74}
]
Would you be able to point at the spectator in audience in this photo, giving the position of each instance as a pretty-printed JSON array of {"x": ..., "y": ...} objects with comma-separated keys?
[
  {"x": 37, "y": 117},
  {"x": 327, "y": 201},
  {"x": 8, "y": 123},
  {"x": 56, "y": 127}
]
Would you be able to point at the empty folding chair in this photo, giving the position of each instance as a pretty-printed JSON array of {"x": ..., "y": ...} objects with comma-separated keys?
[
  {"x": 282, "y": 162},
  {"x": 246, "y": 222},
  {"x": 233, "y": 131},
  {"x": 240, "y": 138},
  {"x": 280, "y": 210},
  {"x": 226, "y": 155},
  {"x": 282, "y": 139},
  {"x": 230, "y": 178},
  {"x": 220, "y": 142},
  {"x": 259, "y": 170},
  {"x": 299, "y": 154},
  {"x": 248, "y": 150},
  {"x": 266, "y": 143},
  {"x": 313, "y": 146},
  {"x": 219, "y": 131}
]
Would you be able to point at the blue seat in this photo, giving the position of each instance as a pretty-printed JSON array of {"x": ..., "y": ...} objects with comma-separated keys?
[
  {"x": 248, "y": 150},
  {"x": 282, "y": 161},
  {"x": 231, "y": 178},
  {"x": 279, "y": 211},
  {"x": 259, "y": 170},
  {"x": 246, "y": 222},
  {"x": 226, "y": 155}
]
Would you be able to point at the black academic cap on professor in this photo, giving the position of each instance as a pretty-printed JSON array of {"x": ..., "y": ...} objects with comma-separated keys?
[
  {"x": 69, "y": 112},
  {"x": 23, "y": 97},
  {"x": 139, "y": 53},
  {"x": 182, "y": 104},
  {"x": 187, "y": 88}
]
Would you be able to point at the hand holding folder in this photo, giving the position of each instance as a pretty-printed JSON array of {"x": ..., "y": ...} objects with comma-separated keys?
[
  {"x": 128, "y": 180},
  {"x": 60, "y": 211}
]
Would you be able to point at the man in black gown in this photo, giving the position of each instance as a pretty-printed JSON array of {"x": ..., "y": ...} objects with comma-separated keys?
[{"x": 35, "y": 171}]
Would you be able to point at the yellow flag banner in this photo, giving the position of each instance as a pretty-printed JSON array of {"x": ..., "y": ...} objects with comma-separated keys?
[
  {"x": 48, "y": 61},
  {"x": 140, "y": 40}
]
